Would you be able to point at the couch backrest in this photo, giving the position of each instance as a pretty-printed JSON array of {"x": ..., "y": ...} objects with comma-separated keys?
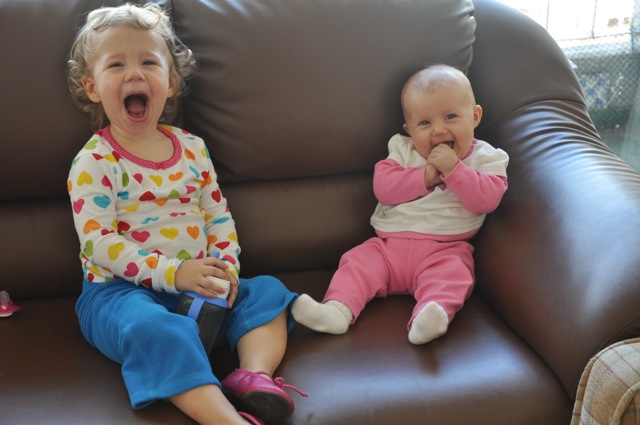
[
  {"x": 41, "y": 133},
  {"x": 296, "y": 100}
]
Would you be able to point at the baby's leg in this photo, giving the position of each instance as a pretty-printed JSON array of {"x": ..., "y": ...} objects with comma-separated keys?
[
  {"x": 362, "y": 275},
  {"x": 444, "y": 282}
]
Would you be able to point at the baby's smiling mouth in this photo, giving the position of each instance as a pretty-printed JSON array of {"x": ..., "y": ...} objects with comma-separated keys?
[{"x": 136, "y": 105}]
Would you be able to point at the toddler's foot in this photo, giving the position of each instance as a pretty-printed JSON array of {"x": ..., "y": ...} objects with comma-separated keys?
[
  {"x": 258, "y": 396},
  {"x": 332, "y": 317},
  {"x": 431, "y": 322}
]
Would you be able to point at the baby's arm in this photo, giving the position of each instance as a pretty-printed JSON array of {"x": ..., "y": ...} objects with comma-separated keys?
[
  {"x": 479, "y": 192},
  {"x": 394, "y": 184}
]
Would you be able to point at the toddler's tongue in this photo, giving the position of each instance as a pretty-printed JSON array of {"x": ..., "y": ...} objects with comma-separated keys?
[{"x": 136, "y": 105}]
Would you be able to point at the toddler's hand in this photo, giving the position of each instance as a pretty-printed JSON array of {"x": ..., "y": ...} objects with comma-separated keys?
[
  {"x": 443, "y": 158},
  {"x": 233, "y": 289},
  {"x": 192, "y": 275}
]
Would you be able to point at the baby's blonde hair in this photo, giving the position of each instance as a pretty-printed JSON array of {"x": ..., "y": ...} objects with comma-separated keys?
[
  {"x": 149, "y": 17},
  {"x": 434, "y": 77}
]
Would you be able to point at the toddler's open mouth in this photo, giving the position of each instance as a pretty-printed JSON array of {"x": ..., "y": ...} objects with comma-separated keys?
[{"x": 136, "y": 105}]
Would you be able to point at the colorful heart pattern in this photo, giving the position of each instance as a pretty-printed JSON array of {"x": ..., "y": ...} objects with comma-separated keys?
[{"x": 138, "y": 220}]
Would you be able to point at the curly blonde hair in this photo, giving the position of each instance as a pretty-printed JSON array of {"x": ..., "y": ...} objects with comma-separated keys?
[{"x": 149, "y": 17}]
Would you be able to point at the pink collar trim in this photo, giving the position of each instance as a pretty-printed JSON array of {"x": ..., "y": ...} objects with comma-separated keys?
[
  {"x": 177, "y": 150},
  {"x": 470, "y": 151}
]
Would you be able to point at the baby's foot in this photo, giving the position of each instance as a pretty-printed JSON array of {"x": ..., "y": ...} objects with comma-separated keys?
[
  {"x": 431, "y": 322},
  {"x": 332, "y": 317}
]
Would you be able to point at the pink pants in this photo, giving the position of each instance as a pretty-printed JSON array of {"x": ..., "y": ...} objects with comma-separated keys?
[{"x": 427, "y": 269}]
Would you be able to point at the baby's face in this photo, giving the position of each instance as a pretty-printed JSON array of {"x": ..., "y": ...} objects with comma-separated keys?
[
  {"x": 444, "y": 116},
  {"x": 131, "y": 75}
]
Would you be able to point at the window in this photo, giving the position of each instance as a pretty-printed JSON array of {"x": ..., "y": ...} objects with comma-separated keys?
[{"x": 602, "y": 40}]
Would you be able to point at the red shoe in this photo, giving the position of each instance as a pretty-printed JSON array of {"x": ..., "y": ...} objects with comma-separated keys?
[
  {"x": 257, "y": 394},
  {"x": 251, "y": 419}
]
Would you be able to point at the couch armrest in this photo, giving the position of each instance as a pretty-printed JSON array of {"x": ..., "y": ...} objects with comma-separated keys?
[
  {"x": 609, "y": 390},
  {"x": 558, "y": 260}
]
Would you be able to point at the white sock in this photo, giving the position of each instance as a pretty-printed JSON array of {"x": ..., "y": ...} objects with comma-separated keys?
[
  {"x": 332, "y": 317},
  {"x": 431, "y": 322}
]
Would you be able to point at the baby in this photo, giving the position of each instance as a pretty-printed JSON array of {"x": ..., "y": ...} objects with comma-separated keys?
[{"x": 434, "y": 191}]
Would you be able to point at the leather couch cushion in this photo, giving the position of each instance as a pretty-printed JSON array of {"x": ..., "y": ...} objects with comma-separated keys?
[
  {"x": 290, "y": 89},
  {"x": 480, "y": 374}
]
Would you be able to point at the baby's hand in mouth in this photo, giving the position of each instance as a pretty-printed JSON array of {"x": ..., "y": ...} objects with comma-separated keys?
[{"x": 443, "y": 157}]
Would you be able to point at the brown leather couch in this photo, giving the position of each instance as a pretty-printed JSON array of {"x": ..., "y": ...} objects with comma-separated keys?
[{"x": 297, "y": 100}]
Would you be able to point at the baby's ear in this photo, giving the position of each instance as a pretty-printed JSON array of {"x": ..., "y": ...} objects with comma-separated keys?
[
  {"x": 90, "y": 89},
  {"x": 477, "y": 115}
]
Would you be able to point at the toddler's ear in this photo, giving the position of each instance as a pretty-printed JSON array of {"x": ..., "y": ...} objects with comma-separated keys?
[
  {"x": 173, "y": 85},
  {"x": 90, "y": 88}
]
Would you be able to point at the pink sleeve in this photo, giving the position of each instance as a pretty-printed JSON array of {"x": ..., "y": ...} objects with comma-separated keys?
[
  {"x": 393, "y": 184},
  {"x": 479, "y": 192}
]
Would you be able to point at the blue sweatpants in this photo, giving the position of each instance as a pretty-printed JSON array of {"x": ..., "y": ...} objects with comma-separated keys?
[{"x": 160, "y": 351}]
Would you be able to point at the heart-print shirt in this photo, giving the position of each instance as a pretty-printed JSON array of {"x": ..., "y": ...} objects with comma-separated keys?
[{"x": 138, "y": 219}]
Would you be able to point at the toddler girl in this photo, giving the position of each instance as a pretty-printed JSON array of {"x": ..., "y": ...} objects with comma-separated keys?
[{"x": 152, "y": 223}]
